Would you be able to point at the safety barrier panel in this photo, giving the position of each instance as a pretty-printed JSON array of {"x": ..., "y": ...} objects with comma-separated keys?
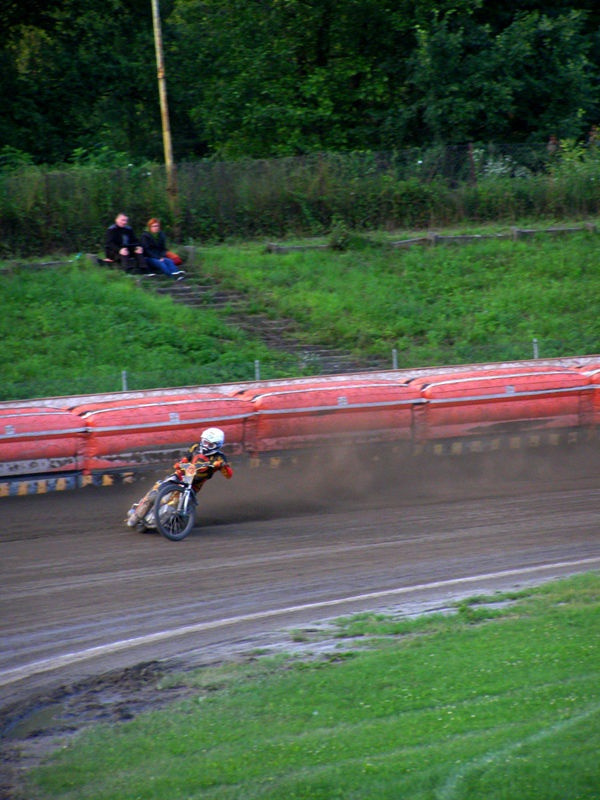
[
  {"x": 502, "y": 401},
  {"x": 40, "y": 440},
  {"x": 319, "y": 412},
  {"x": 138, "y": 432},
  {"x": 592, "y": 371}
]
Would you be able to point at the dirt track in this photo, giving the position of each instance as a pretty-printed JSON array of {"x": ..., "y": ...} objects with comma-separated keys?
[{"x": 82, "y": 596}]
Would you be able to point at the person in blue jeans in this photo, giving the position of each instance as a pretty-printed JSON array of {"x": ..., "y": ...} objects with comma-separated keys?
[{"x": 155, "y": 251}]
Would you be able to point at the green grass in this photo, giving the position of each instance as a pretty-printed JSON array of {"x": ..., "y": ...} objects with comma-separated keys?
[
  {"x": 75, "y": 329},
  {"x": 500, "y": 700},
  {"x": 432, "y": 304}
]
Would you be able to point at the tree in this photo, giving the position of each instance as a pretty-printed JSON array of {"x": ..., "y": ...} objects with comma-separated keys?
[
  {"x": 260, "y": 78},
  {"x": 532, "y": 78},
  {"x": 84, "y": 78}
]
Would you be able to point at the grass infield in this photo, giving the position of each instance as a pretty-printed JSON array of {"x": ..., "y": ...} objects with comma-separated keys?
[{"x": 498, "y": 700}]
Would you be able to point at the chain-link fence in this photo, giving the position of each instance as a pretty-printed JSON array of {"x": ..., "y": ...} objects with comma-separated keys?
[
  {"x": 69, "y": 210},
  {"x": 303, "y": 363}
]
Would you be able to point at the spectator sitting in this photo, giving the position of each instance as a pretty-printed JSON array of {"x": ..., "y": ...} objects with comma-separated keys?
[
  {"x": 155, "y": 251},
  {"x": 122, "y": 246}
]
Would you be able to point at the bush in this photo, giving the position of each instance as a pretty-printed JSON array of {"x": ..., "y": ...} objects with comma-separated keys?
[{"x": 68, "y": 210}]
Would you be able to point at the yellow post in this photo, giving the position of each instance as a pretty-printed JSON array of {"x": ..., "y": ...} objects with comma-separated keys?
[{"x": 164, "y": 111}]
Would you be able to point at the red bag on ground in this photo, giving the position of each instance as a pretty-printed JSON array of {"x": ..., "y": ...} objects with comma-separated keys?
[{"x": 174, "y": 258}]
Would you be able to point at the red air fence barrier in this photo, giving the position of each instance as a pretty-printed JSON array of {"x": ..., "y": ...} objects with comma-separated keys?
[
  {"x": 64, "y": 436},
  {"x": 40, "y": 440},
  {"x": 320, "y": 412},
  {"x": 502, "y": 401},
  {"x": 139, "y": 432}
]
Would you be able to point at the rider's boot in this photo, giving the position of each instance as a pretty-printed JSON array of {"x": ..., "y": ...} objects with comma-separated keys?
[
  {"x": 132, "y": 518},
  {"x": 137, "y": 512}
]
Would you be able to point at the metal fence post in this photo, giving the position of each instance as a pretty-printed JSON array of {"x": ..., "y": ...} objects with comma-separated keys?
[
  {"x": 536, "y": 352},
  {"x": 394, "y": 359},
  {"x": 124, "y": 380},
  {"x": 257, "y": 370}
]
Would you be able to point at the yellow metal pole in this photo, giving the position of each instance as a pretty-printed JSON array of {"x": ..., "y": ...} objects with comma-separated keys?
[{"x": 164, "y": 111}]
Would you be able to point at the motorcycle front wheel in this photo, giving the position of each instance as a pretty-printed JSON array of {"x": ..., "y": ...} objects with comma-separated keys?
[{"x": 173, "y": 521}]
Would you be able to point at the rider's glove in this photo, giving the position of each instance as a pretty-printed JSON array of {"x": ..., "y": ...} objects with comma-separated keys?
[{"x": 227, "y": 471}]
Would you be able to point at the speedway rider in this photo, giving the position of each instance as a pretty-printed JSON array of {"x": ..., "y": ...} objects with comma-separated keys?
[{"x": 208, "y": 450}]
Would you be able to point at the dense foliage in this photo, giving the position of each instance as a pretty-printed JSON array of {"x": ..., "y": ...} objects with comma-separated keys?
[
  {"x": 68, "y": 210},
  {"x": 254, "y": 78}
]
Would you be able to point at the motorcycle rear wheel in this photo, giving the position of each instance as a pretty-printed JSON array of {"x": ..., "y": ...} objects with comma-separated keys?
[{"x": 172, "y": 522}]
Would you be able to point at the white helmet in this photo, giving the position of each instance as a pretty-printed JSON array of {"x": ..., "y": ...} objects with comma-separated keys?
[{"x": 212, "y": 439}]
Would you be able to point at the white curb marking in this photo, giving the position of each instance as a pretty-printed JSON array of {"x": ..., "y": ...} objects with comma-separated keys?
[{"x": 55, "y": 662}]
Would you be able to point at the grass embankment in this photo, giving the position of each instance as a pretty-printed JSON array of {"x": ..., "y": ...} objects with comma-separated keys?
[
  {"x": 448, "y": 304},
  {"x": 75, "y": 329},
  {"x": 499, "y": 701}
]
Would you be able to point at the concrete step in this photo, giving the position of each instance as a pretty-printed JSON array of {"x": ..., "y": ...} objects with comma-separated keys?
[{"x": 197, "y": 292}]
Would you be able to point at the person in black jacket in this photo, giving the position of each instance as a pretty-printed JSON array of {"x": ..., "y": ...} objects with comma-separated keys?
[
  {"x": 123, "y": 247},
  {"x": 154, "y": 244}
]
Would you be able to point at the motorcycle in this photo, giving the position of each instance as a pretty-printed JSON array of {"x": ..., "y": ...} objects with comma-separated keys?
[{"x": 173, "y": 512}]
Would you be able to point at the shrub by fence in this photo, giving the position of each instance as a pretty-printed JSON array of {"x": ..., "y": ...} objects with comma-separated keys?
[{"x": 68, "y": 210}]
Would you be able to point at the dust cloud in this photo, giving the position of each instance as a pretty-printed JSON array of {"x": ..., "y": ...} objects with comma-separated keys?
[{"x": 341, "y": 478}]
